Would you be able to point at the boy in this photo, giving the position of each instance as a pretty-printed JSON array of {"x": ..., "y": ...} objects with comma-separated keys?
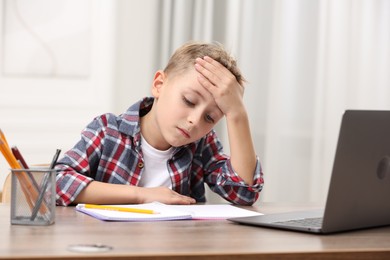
[{"x": 164, "y": 148}]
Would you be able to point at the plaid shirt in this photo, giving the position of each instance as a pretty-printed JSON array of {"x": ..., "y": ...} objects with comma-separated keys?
[{"x": 109, "y": 151}]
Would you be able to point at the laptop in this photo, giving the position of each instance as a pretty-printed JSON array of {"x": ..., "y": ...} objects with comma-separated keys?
[{"x": 359, "y": 189}]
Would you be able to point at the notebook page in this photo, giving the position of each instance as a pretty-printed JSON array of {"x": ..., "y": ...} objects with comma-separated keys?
[{"x": 216, "y": 211}]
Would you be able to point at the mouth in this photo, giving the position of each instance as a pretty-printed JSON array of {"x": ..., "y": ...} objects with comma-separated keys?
[{"x": 184, "y": 132}]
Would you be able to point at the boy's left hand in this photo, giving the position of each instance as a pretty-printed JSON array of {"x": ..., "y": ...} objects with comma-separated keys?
[{"x": 222, "y": 85}]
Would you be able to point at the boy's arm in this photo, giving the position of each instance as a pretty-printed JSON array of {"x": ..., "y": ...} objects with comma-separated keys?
[
  {"x": 97, "y": 192},
  {"x": 107, "y": 193},
  {"x": 76, "y": 177},
  {"x": 228, "y": 95}
]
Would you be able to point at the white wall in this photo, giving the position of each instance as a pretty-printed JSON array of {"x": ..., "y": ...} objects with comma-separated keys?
[
  {"x": 44, "y": 102},
  {"x": 41, "y": 111}
]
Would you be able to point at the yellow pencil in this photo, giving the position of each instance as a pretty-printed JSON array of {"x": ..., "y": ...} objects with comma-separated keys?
[
  {"x": 124, "y": 209},
  {"x": 28, "y": 189},
  {"x": 3, "y": 139}
]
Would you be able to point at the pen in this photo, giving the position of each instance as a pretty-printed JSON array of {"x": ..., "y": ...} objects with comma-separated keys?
[
  {"x": 115, "y": 208},
  {"x": 45, "y": 183},
  {"x": 23, "y": 163},
  {"x": 19, "y": 156}
]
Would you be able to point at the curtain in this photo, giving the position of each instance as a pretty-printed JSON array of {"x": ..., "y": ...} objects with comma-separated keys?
[{"x": 306, "y": 62}]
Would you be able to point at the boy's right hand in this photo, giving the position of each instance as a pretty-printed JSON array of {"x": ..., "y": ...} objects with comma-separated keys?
[{"x": 163, "y": 195}]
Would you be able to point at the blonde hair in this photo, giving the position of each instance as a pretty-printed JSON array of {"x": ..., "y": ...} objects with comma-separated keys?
[{"x": 184, "y": 58}]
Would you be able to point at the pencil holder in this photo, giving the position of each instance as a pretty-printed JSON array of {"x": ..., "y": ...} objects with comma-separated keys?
[{"x": 33, "y": 196}]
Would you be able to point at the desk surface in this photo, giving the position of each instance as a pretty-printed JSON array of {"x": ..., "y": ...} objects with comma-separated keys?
[{"x": 178, "y": 239}]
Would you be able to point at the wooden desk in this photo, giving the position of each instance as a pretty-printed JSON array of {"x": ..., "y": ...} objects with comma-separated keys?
[{"x": 181, "y": 239}]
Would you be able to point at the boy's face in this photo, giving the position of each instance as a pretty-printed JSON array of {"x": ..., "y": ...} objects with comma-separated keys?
[{"x": 184, "y": 110}]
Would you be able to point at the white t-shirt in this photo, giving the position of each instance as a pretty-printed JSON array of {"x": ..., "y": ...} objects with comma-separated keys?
[{"x": 155, "y": 172}]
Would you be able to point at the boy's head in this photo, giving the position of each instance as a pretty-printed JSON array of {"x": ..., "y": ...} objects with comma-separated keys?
[
  {"x": 184, "y": 110},
  {"x": 184, "y": 58}
]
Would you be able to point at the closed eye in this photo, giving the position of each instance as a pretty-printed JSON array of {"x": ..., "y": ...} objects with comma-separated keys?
[
  {"x": 210, "y": 119},
  {"x": 188, "y": 103}
]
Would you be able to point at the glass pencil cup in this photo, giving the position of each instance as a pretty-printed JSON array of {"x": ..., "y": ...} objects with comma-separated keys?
[{"x": 33, "y": 196}]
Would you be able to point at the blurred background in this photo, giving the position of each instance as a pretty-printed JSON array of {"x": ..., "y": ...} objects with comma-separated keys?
[{"x": 63, "y": 62}]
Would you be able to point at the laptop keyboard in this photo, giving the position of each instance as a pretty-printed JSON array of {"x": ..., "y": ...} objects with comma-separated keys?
[{"x": 305, "y": 222}]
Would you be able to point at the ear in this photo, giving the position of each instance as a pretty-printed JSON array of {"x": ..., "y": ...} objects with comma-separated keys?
[{"x": 158, "y": 82}]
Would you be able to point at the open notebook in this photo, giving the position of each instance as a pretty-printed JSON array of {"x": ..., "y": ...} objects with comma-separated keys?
[{"x": 168, "y": 212}]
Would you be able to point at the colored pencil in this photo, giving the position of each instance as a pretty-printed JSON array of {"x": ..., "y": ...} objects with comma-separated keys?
[{"x": 123, "y": 209}]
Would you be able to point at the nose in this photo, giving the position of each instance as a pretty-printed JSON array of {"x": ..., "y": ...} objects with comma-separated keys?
[{"x": 194, "y": 117}]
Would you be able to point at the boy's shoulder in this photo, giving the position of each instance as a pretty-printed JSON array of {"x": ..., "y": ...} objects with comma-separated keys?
[
  {"x": 129, "y": 118},
  {"x": 127, "y": 123}
]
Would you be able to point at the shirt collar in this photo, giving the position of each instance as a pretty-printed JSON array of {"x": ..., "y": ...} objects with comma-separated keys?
[{"x": 130, "y": 120}]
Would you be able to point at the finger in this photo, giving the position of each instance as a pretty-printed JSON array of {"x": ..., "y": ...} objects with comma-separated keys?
[
  {"x": 181, "y": 196},
  {"x": 188, "y": 200},
  {"x": 215, "y": 66},
  {"x": 181, "y": 199},
  {"x": 212, "y": 77},
  {"x": 211, "y": 63},
  {"x": 213, "y": 70},
  {"x": 206, "y": 83}
]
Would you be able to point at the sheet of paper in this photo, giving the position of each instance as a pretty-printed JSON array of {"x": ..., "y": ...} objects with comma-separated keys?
[
  {"x": 215, "y": 211},
  {"x": 169, "y": 212}
]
